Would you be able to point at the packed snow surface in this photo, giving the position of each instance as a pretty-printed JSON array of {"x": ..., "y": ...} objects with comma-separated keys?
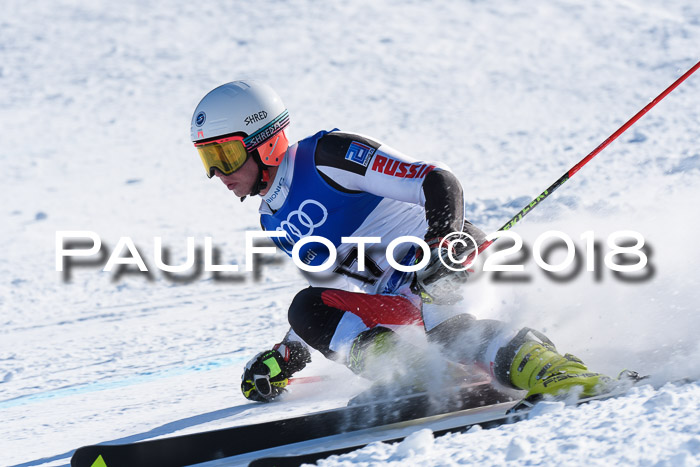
[
  {"x": 647, "y": 427},
  {"x": 95, "y": 105}
]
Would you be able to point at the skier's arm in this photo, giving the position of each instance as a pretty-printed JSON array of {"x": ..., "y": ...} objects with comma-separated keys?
[
  {"x": 354, "y": 163},
  {"x": 444, "y": 203}
]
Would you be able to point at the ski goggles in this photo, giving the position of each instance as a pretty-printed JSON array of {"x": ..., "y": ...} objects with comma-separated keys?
[
  {"x": 225, "y": 154},
  {"x": 229, "y": 153}
]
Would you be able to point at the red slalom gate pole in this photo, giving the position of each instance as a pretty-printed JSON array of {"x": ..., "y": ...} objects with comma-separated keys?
[
  {"x": 570, "y": 173},
  {"x": 308, "y": 379}
]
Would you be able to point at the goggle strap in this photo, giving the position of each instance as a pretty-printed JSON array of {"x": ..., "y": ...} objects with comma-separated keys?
[
  {"x": 221, "y": 141},
  {"x": 259, "y": 137}
]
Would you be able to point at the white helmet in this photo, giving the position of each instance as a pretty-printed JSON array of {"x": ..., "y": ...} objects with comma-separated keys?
[{"x": 238, "y": 120}]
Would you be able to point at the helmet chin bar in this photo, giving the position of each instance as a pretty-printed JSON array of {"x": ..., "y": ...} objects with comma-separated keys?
[{"x": 263, "y": 177}]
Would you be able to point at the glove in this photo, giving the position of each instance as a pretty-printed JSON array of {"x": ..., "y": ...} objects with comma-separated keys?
[
  {"x": 436, "y": 283},
  {"x": 267, "y": 374}
]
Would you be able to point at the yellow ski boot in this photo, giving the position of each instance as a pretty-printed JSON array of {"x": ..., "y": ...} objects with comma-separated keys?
[
  {"x": 531, "y": 362},
  {"x": 540, "y": 369},
  {"x": 400, "y": 368}
]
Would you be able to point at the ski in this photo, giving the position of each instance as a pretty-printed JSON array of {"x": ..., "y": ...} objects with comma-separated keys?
[
  {"x": 216, "y": 444},
  {"x": 458, "y": 422}
]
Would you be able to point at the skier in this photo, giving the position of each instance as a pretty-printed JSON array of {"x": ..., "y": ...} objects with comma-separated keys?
[{"x": 335, "y": 184}]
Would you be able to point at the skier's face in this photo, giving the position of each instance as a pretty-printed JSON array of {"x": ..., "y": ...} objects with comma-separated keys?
[{"x": 242, "y": 180}]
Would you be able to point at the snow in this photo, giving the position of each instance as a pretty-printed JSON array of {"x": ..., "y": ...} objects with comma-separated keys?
[
  {"x": 419, "y": 443},
  {"x": 95, "y": 104},
  {"x": 646, "y": 427}
]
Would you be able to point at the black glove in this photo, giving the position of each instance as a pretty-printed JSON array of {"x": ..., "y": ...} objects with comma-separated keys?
[
  {"x": 267, "y": 374},
  {"x": 437, "y": 283}
]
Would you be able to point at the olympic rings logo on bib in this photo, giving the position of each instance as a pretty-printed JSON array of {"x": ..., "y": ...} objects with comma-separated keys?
[{"x": 301, "y": 223}]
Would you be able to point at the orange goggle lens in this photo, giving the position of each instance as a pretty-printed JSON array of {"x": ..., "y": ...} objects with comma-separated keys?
[{"x": 226, "y": 154}]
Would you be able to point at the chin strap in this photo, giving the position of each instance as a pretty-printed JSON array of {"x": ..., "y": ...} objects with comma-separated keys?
[{"x": 263, "y": 178}]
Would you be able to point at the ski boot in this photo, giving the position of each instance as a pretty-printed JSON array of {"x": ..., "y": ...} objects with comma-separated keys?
[
  {"x": 396, "y": 367},
  {"x": 539, "y": 369},
  {"x": 380, "y": 355},
  {"x": 369, "y": 346}
]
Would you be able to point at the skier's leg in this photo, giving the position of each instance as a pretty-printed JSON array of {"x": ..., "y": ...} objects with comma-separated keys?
[
  {"x": 313, "y": 320},
  {"x": 330, "y": 320},
  {"x": 355, "y": 329},
  {"x": 465, "y": 339},
  {"x": 525, "y": 359}
]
